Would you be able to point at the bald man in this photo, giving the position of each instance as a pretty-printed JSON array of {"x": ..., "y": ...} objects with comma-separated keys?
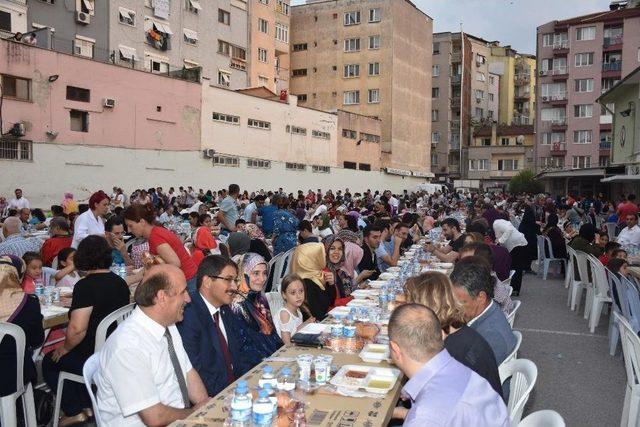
[
  {"x": 443, "y": 392},
  {"x": 145, "y": 376},
  {"x": 14, "y": 243}
]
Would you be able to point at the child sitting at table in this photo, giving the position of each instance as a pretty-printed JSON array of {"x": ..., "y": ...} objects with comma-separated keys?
[
  {"x": 288, "y": 320},
  {"x": 33, "y": 261},
  {"x": 67, "y": 276}
]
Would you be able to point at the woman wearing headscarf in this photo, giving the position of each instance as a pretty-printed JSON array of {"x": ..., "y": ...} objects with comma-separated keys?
[
  {"x": 514, "y": 241},
  {"x": 251, "y": 305},
  {"x": 285, "y": 227},
  {"x": 585, "y": 241},
  {"x": 553, "y": 232},
  {"x": 309, "y": 263},
  {"x": 322, "y": 225},
  {"x": 530, "y": 229},
  {"x": 336, "y": 256},
  {"x": 204, "y": 243},
  {"x": 238, "y": 243},
  {"x": 68, "y": 204},
  {"x": 22, "y": 310}
]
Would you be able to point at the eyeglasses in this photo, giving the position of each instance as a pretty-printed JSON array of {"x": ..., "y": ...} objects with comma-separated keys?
[{"x": 227, "y": 279}]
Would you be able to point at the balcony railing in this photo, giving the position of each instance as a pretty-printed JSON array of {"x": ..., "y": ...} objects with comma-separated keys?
[
  {"x": 454, "y": 145},
  {"x": 559, "y": 148},
  {"x": 523, "y": 78},
  {"x": 559, "y": 122},
  {"x": 559, "y": 71},
  {"x": 456, "y": 57},
  {"x": 605, "y": 145},
  {"x": 523, "y": 94},
  {"x": 561, "y": 45},
  {"x": 456, "y": 78},
  {"x": 455, "y": 102},
  {"x": 612, "y": 41},
  {"x": 612, "y": 66},
  {"x": 520, "y": 120}
]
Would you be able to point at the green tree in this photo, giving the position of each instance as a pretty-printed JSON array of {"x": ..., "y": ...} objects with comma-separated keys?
[{"x": 525, "y": 182}]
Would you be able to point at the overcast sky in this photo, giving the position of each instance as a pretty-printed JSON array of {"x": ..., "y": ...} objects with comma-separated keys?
[{"x": 511, "y": 22}]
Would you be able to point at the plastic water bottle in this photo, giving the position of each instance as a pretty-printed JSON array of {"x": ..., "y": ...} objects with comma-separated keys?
[
  {"x": 268, "y": 377},
  {"x": 262, "y": 410},
  {"x": 383, "y": 299},
  {"x": 122, "y": 271},
  {"x": 241, "y": 406},
  {"x": 39, "y": 288},
  {"x": 285, "y": 380},
  {"x": 336, "y": 328},
  {"x": 349, "y": 329},
  {"x": 271, "y": 394}
]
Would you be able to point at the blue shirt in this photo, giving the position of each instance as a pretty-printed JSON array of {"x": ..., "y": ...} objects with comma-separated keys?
[
  {"x": 229, "y": 209},
  {"x": 444, "y": 392},
  {"x": 267, "y": 214},
  {"x": 384, "y": 249},
  {"x": 117, "y": 257}
]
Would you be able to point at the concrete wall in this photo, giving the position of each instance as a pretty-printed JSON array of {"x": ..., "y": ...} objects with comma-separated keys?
[
  {"x": 358, "y": 150},
  {"x": 18, "y": 11},
  {"x": 81, "y": 169},
  {"x": 134, "y": 122},
  {"x": 630, "y": 152}
]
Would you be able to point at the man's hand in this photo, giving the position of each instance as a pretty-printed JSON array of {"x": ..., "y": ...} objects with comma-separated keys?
[
  {"x": 400, "y": 413},
  {"x": 328, "y": 277}
]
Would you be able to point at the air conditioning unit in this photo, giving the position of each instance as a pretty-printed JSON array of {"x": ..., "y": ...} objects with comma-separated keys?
[
  {"x": 478, "y": 100},
  {"x": 541, "y": 73},
  {"x": 545, "y": 98},
  {"x": 83, "y": 18},
  {"x": 109, "y": 103},
  {"x": 208, "y": 153}
]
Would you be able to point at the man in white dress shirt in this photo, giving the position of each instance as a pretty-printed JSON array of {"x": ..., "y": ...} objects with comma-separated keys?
[
  {"x": 19, "y": 202},
  {"x": 630, "y": 235},
  {"x": 145, "y": 376}
]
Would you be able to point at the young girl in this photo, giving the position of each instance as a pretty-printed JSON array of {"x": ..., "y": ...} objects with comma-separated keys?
[
  {"x": 289, "y": 319},
  {"x": 67, "y": 276},
  {"x": 33, "y": 261}
]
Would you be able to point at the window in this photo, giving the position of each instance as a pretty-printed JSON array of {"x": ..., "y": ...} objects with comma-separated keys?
[
  {"x": 435, "y": 137},
  {"x": 262, "y": 54},
  {"x": 436, "y": 48},
  {"x": 258, "y": 163},
  {"x": 435, "y": 71},
  {"x": 584, "y": 59},
  {"x": 5, "y": 21},
  {"x": 434, "y": 158},
  {"x": 282, "y": 33},
  {"x": 604, "y": 161},
  {"x": 79, "y": 120},
  {"x": 547, "y": 40},
  {"x": 479, "y": 94},
  {"x": 549, "y": 138},
  {"x": 504, "y": 141},
  {"x": 352, "y": 18},
  {"x": 158, "y": 66},
  {"x": 224, "y": 17},
  {"x": 83, "y": 47},
  {"x": 78, "y": 94},
  {"x": 491, "y": 97},
  {"x": 281, "y": 7},
  {"x": 348, "y": 133},
  {"x": 190, "y": 36},
  {"x": 481, "y": 77},
  {"x": 586, "y": 33},
  {"x": 583, "y": 110},
  {"x": 16, "y": 88},
  {"x": 368, "y": 137},
  {"x": 320, "y": 134},
  {"x": 300, "y": 72},
  {"x": 352, "y": 70},
  {"x": 582, "y": 136},
  {"x": 226, "y": 118},
  {"x": 126, "y": 16},
  {"x": 349, "y": 165},
  {"x": 482, "y": 164},
  {"x": 352, "y": 45},
  {"x": 479, "y": 113},
  {"x": 259, "y": 124},
  {"x": 192, "y": 6},
  {"x": 584, "y": 85},
  {"x": 295, "y": 130},
  {"x": 351, "y": 97},
  {"x": 295, "y": 167},
  {"x": 480, "y": 59},
  {"x": 374, "y": 68},
  {"x": 553, "y": 115},
  {"x": 231, "y": 161},
  {"x": 364, "y": 166},
  {"x": 224, "y": 48},
  {"x": 435, "y": 92},
  {"x": 486, "y": 142},
  {"x": 14, "y": 149},
  {"x": 302, "y": 97},
  {"x": 472, "y": 164},
  {"x": 374, "y": 15},
  {"x": 492, "y": 80},
  {"x": 299, "y": 47},
  {"x": 434, "y": 115},
  {"x": 373, "y": 96},
  {"x": 224, "y": 78},
  {"x": 238, "y": 53},
  {"x": 508, "y": 165},
  {"x": 320, "y": 169},
  {"x": 263, "y": 26},
  {"x": 374, "y": 42},
  {"x": 580, "y": 162}
]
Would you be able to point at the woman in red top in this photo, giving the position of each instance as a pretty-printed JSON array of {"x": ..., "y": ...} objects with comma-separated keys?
[{"x": 162, "y": 242}]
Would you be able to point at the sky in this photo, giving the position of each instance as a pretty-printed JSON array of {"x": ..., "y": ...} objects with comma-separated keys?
[{"x": 512, "y": 22}]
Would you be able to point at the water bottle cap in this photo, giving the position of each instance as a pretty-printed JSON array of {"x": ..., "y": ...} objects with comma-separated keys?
[
  {"x": 263, "y": 393},
  {"x": 242, "y": 383},
  {"x": 350, "y": 317},
  {"x": 267, "y": 387},
  {"x": 267, "y": 369},
  {"x": 242, "y": 389},
  {"x": 286, "y": 370}
]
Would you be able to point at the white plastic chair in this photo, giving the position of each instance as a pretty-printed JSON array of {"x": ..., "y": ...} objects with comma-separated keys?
[
  {"x": 89, "y": 371},
  {"x": 544, "y": 261},
  {"x": 523, "y": 374},
  {"x": 544, "y": 418},
  {"x": 611, "y": 230},
  {"x": 511, "y": 317},
  {"x": 101, "y": 336},
  {"x": 507, "y": 281},
  {"x": 282, "y": 266},
  {"x": 514, "y": 352},
  {"x": 614, "y": 331},
  {"x": 631, "y": 351},
  {"x": 48, "y": 274},
  {"x": 579, "y": 285},
  {"x": 569, "y": 275},
  {"x": 8, "y": 416},
  {"x": 597, "y": 293},
  {"x": 275, "y": 302}
]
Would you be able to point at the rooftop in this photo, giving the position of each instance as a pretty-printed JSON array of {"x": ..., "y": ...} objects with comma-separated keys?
[{"x": 604, "y": 16}]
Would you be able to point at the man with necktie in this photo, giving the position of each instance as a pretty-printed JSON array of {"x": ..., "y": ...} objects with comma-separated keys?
[{"x": 145, "y": 376}]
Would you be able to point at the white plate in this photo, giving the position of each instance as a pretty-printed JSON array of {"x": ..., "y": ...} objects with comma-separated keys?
[
  {"x": 393, "y": 269},
  {"x": 341, "y": 380},
  {"x": 439, "y": 270},
  {"x": 315, "y": 328},
  {"x": 377, "y": 284},
  {"x": 340, "y": 311},
  {"x": 386, "y": 276},
  {"x": 365, "y": 293},
  {"x": 369, "y": 356},
  {"x": 362, "y": 303}
]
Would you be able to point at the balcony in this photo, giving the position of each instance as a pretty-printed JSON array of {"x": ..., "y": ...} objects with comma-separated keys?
[
  {"x": 612, "y": 66},
  {"x": 455, "y": 102},
  {"x": 454, "y": 168},
  {"x": 605, "y": 146},
  {"x": 560, "y": 73},
  {"x": 559, "y": 149},
  {"x": 564, "y": 44},
  {"x": 456, "y": 79},
  {"x": 559, "y": 124},
  {"x": 612, "y": 41},
  {"x": 522, "y": 79},
  {"x": 520, "y": 120},
  {"x": 522, "y": 94},
  {"x": 454, "y": 144},
  {"x": 456, "y": 56}
]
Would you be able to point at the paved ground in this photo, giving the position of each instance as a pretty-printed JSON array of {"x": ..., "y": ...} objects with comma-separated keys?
[{"x": 576, "y": 375}]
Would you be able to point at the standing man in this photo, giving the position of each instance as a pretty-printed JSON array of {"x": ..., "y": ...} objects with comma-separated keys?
[
  {"x": 19, "y": 202},
  {"x": 145, "y": 376},
  {"x": 228, "y": 213},
  {"x": 251, "y": 211}
]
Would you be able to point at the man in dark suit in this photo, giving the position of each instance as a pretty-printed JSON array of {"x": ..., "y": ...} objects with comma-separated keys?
[
  {"x": 215, "y": 341},
  {"x": 473, "y": 288},
  {"x": 369, "y": 262}
]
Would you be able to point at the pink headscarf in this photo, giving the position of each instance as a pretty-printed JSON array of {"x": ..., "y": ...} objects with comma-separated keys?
[
  {"x": 428, "y": 223},
  {"x": 352, "y": 257}
]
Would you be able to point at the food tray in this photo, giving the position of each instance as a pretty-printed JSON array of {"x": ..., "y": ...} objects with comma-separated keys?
[
  {"x": 393, "y": 269},
  {"x": 362, "y": 303},
  {"x": 365, "y": 293},
  {"x": 378, "y": 284},
  {"x": 374, "y": 353},
  {"x": 340, "y": 311},
  {"x": 386, "y": 276},
  {"x": 347, "y": 377}
]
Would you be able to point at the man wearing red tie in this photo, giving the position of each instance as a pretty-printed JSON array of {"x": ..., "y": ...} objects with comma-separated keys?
[{"x": 215, "y": 341}]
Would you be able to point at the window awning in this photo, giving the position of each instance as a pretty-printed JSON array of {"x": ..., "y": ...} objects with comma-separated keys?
[
  {"x": 88, "y": 5},
  {"x": 158, "y": 26},
  {"x": 195, "y": 4},
  {"x": 126, "y": 13},
  {"x": 128, "y": 52},
  {"x": 621, "y": 178},
  {"x": 190, "y": 34}
]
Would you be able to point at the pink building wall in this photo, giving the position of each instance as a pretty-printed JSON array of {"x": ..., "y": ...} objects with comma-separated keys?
[{"x": 151, "y": 111}]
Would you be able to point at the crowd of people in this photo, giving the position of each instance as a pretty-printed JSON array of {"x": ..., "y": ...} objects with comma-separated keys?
[{"x": 200, "y": 265}]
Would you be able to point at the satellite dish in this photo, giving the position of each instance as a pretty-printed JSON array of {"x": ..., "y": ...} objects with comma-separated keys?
[{"x": 520, "y": 139}]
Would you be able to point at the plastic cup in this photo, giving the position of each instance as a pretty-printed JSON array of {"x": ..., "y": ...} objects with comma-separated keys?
[
  {"x": 304, "y": 366},
  {"x": 321, "y": 368}
]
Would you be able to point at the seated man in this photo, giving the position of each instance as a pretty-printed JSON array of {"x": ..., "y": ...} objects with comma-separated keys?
[
  {"x": 630, "y": 235},
  {"x": 145, "y": 375},
  {"x": 443, "y": 391},
  {"x": 390, "y": 248},
  {"x": 305, "y": 233},
  {"x": 473, "y": 288},
  {"x": 451, "y": 231},
  {"x": 114, "y": 232},
  {"x": 216, "y": 343},
  {"x": 14, "y": 243}
]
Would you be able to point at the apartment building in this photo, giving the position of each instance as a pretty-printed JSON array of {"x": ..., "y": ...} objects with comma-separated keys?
[
  {"x": 359, "y": 141},
  {"x": 465, "y": 94},
  {"x": 578, "y": 59},
  {"x": 500, "y": 152},
  {"x": 372, "y": 58},
  {"x": 268, "y": 54},
  {"x": 154, "y": 35},
  {"x": 517, "y": 85},
  {"x": 13, "y": 17}
]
